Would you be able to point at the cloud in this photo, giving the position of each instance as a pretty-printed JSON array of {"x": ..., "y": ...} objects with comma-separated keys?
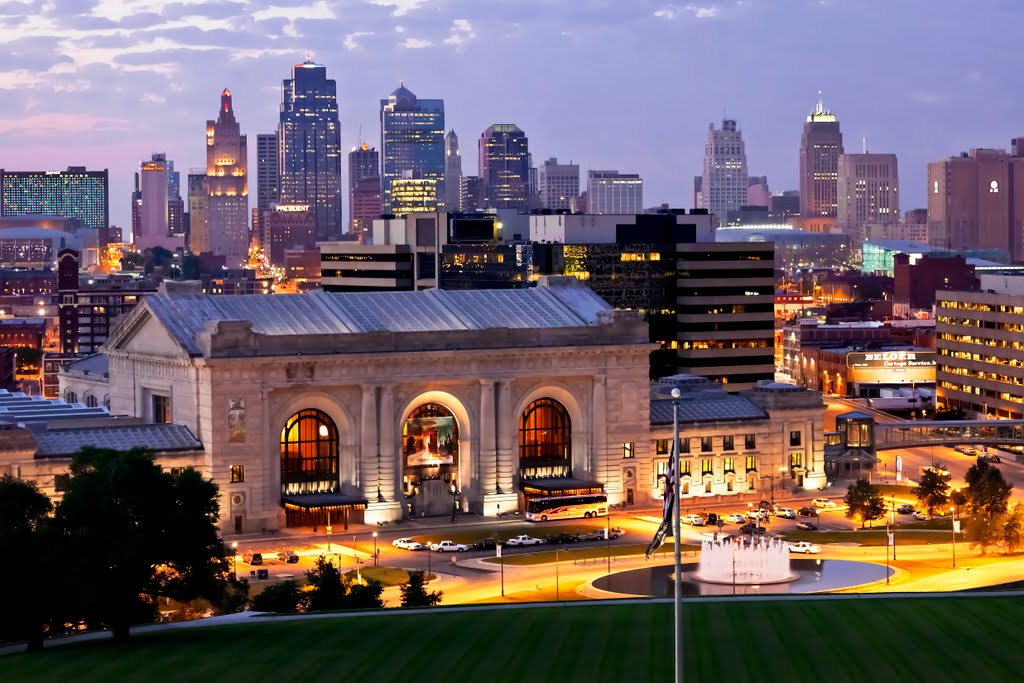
[
  {"x": 416, "y": 43},
  {"x": 460, "y": 33},
  {"x": 316, "y": 10},
  {"x": 401, "y": 7},
  {"x": 351, "y": 41},
  {"x": 55, "y": 124},
  {"x": 153, "y": 98},
  {"x": 671, "y": 12}
]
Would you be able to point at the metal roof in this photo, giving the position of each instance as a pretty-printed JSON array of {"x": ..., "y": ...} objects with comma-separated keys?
[
  {"x": 155, "y": 437},
  {"x": 20, "y": 407},
  {"x": 712, "y": 408},
  {"x": 96, "y": 364}
]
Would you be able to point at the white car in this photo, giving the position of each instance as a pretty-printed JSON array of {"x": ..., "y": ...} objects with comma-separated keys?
[
  {"x": 786, "y": 513},
  {"x": 449, "y": 547},
  {"x": 734, "y": 518},
  {"x": 805, "y": 547},
  {"x": 692, "y": 520},
  {"x": 921, "y": 515},
  {"x": 757, "y": 513},
  {"x": 407, "y": 544},
  {"x": 823, "y": 503},
  {"x": 523, "y": 539}
]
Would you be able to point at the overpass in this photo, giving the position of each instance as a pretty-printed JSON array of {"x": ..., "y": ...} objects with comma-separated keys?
[{"x": 908, "y": 434}]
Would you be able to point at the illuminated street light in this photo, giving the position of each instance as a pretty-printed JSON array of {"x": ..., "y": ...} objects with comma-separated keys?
[
  {"x": 374, "y": 548},
  {"x": 234, "y": 553}
]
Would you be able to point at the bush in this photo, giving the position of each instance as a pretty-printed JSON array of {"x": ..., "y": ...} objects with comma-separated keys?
[
  {"x": 364, "y": 597},
  {"x": 414, "y": 593},
  {"x": 235, "y": 597},
  {"x": 283, "y": 598}
]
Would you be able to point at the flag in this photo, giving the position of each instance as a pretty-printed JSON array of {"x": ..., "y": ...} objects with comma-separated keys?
[{"x": 669, "y": 498}]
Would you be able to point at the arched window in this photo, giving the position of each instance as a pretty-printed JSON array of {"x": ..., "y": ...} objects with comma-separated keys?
[
  {"x": 430, "y": 445},
  {"x": 545, "y": 440},
  {"x": 106, "y": 401},
  {"x": 70, "y": 397},
  {"x": 309, "y": 453},
  {"x": 90, "y": 401}
]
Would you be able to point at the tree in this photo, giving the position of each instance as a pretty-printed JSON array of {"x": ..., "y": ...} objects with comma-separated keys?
[
  {"x": 414, "y": 593},
  {"x": 987, "y": 498},
  {"x": 25, "y": 546},
  {"x": 281, "y": 598},
  {"x": 133, "y": 533},
  {"x": 864, "y": 502},
  {"x": 365, "y": 595},
  {"x": 328, "y": 590},
  {"x": 1013, "y": 528},
  {"x": 933, "y": 489}
]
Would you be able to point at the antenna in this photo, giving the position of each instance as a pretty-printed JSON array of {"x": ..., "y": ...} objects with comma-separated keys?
[
  {"x": 865, "y": 140},
  {"x": 360, "y": 144}
]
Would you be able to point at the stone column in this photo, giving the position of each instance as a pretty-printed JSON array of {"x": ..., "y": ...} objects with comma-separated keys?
[
  {"x": 487, "y": 463},
  {"x": 388, "y": 455},
  {"x": 367, "y": 465},
  {"x": 507, "y": 423},
  {"x": 597, "y": 463}
]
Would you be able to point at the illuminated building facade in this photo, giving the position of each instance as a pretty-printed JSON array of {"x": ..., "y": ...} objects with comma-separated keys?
[
  {"x": 452, "y": 173},
  {"x": 503, "y": 153},
  {"x": 226, "y": 229},
  {"x": 821, "y": 145},
  {"x": 868, "y": 193},
  {"x": 412, "y": 193},
  {"x": 309, "y": 144},
  {"x": 412, "y": 141},
  {"x": 558, "y": 185},
  {"x": 724, "y": 182},
  {"x": 198, "y": 201},
  {"x": 76, "y": 193},
  {"x": 267, "y": 162},
  {"x": 287, "y": 226},
  {"x": 364, "y": 201},
  {"x": 151, "y": 210},
  {"x": 611, "y": 192}
]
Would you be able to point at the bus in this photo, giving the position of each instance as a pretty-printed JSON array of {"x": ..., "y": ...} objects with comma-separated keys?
[{"x": 567, "y": 507}]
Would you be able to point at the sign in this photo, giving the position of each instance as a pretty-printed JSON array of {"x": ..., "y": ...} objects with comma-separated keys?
[
  {"x": 890, "y": 359},
  {"x": 899, "y": 463},
  {"x": 892, "y": 539},
  {"x": 327, "y": 529},
  {"x": 956, "y": 526},
  {"x": 497, "y": 550}
]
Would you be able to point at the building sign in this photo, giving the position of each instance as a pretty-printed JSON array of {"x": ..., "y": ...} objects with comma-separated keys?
[{"x": 891, "y": 359}]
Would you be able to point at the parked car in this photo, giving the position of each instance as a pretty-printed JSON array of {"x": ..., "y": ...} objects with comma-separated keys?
[
  {"x": 905, "y": 509},
  {"x": 598, "y": 534},
  {"x": 523, "y": 539},
  {"x": 288, "y": 556},
  {"x": 992, "y": 457},
  {"x": 805, "y": 547},
  {"x": 407, "y": 544},
  {"x": 734, "y": 518},
  {"x": 806, "y": 526},
  {"x": 921, "y": 515},
  {"x": 486, "y": 544},
  {"x": 253, "y": 558},
  {"x": 692, "y": 520},
  {"x": 562, "y": 538},
  {"x": 711, "y": 518},
  {"x": 785, "y": 513},
  {"x": 808, "y": 511},
  {"x": 449, "y": 547},
  {"x": 757, "y": 513},
  {"x": 823, "y": 503},
  {"x": 753, "y": 529},
  {"x": 962, "y": 448}
]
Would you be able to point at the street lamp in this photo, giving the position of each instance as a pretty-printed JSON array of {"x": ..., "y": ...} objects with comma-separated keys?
[
  {"x": 782, "y": 480},
  {"x": 455, "y": 501},
  {"x": 374, "y": 548},
  {"x": 234, "y": 559},
  {"x": 956, "y": 514}
]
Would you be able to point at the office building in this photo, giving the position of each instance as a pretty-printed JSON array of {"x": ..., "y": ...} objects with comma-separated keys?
[
  {"x": 364, "y": 202},
  {"x": 309, "y": 145},
  {"x": 916, "y": 283},
  {"x": 151, "y": 213},
  {"x": 452, "y": 173},
  {"x": 821, "y": 145},
  {"x": 503, "y": 152},
  {"x": 226, "y": 228},
  {"x": 724, "y": 181},
  {"x": 758, "y": 193},
  {"x": 473, "y": 193},
  {"x": 287, "y": 226},
  {"x": 413, "y": 193},
  {"x": 198, "y": 201},
  {"x": 558, "y": 185},
  {"x": 611, "y": 192},
  {"x": 868, "y": 192},
  {"x": 412, "y": 141},
  {"x": 782, "y": 207},
  {"x": 75, "y": 194},
  {"x": 267, "y": 161},
  {"x": 976, "y": 201}
]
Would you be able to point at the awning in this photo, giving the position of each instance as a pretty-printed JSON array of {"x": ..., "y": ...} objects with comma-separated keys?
[
  {"x": 559, "y": 486},
  {"x": 323, "y": 501}
]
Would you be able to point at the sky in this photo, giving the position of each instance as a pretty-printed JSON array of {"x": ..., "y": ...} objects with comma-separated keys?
[{"x": 623, "y": 84}]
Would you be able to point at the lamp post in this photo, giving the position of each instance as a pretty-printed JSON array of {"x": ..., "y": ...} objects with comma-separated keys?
[
  {"x": 374, "y": 548},
  {"x": 327, "y": 530},
  {"x": 782, "y": 475},
  {"x": 956, "y": 513},
  {"x": 455, "y": 501},
  {"x": 608, "y": 541},
  {"x": 676, "y": 532},
  {"x": 894, "y": 525},
  {"x": 234, "y": 559}
]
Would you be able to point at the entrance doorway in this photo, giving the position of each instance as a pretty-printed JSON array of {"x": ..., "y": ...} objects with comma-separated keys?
[
  {"x": 629, "y": 496},
  {"x": 238, "y": 524}
]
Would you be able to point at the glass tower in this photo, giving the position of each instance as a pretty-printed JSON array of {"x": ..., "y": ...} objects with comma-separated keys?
[
  {"x": 505, "y": 166},
  {"x": 412, "y": 142},
  {"x": 309, "y": 140},
  {"x": 76, "y": 193}
]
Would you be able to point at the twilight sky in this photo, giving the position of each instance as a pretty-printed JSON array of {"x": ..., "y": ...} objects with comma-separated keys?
[{"x": 627, "y": 84}]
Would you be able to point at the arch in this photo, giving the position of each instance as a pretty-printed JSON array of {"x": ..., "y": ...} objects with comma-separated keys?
[
  {"x": 309, "y": 453},
  {"x": 425, "y": 470},
  {"x": 545, "y": 440},
  {"x": 348, "y": 472},
  {"x": 70, "y": 396},
  {"x": 90, "y": 401},
  {"x": 106, "y": 401},
  {"x": 580, "y": 438}
]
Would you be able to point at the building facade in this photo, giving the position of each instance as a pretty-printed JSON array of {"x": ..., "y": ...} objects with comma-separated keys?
[
  {"x": 287, "y": 226},
  {"x": 821, "y": 145},
  {"x": 267, "y": 162},
  {"x": 226, "y": 229},
  {"x": 724, "y": 181},
  {"x": 76, "y": 193},
  {"x": 614, "y": 193},
  {"x": 411, "y": 141},
  {"x": 558, "y": 185},
  {"x": 364, "y": 203},
  {"x": 868, "y": 192},
  {"x": 503, "y": 153},
  {"x": 452, "y": 173},
  {"x": 152, "y": 201},
  {"x": 309, "y": 146}
]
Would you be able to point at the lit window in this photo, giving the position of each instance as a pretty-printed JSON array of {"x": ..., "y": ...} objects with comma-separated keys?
[
  {"x": 627, "y": 450},
  {"x": 237, "y": 474}
]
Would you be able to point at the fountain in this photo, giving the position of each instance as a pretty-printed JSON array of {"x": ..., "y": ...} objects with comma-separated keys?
[{"x": 739, "y": 561}]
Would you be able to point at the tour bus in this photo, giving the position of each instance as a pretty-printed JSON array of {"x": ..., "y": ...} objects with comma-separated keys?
[{"x": 567, "y": 507}]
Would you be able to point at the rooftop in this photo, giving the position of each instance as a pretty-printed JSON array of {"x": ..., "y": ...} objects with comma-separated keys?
[{"x": 156, "y": 437}]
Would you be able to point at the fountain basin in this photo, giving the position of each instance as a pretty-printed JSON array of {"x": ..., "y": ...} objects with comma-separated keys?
[{"x": 741, "y": 561}]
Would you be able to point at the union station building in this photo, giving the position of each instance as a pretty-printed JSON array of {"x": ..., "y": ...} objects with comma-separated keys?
[{"x": 366, "y": 407}]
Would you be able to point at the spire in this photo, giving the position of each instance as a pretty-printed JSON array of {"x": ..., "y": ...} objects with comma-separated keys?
[
  {"x": 820, "y": 109},
  {"x": 820, "y": 114},
  {"x": 225, "y": 101}
]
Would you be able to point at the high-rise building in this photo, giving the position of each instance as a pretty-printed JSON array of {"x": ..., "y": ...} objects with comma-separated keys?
[
  {"x": 198, "y": 200},
  {"x": 820, "y": 147},
  {"x": 226, "y": 229},
  {"x": 363, "y": 189},
  {"x": 473, "y": 193},
  {"x": 267, "y": 161},
  {"x": 758, "y": 193},
  {"x": 614, "y": 192},
  {"x": 287, "y": 226},
  {"x": 76, "y": 193},
  {"x": 503, "y": 153},
  {"x": 724, "y": 180},
  {"x": 413, "y": 193},
  {"x": 151, "y": 211},
  {"x": 411, "y": 141},
  {"x": 309, "y": 145},
  {"x": 976, "y": 201},
  {"x": 558, "y": 185},
  {"x": 452, "y": 173},
  {"x": 868, "y": 188}
]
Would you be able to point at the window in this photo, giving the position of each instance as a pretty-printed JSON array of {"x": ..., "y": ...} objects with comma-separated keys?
[
  {"x": 705, "y": 444},
  {"x": 61, "y": 482},
  {"x": 161, "y": 409},
  {"x": 794, "y": 438},
  {"x": 237, "y": 474},
  {"x": 684, "y": 445},
  {"x": 70, "y": 397},
  {"x": 749, "y": 441},
  {"x": 796, "y": 460},
  {"x": 545, "y": 440},
  {"x": 730, "y": 464},
  {"x": 706, "y": 466},
  {"x": 684, "y": 467},
  {"x": 176, "y": 471},
  {"x": 661, "y": 447},
  {"x": 751, "y": 463},
  {"x": 727, "y": 443},
  {"x": 627, "y": 450},
  {"x": 309, "y": 454},
  {"x": 90, "y": 401}
]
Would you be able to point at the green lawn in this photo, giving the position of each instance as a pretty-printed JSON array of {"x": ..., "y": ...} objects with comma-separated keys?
[
  {"x": 955, "y": 638},
  {"x": 570, "y": 553},
  {"x": 387, "y": 576},
  {"x": 871, "y": 537}
]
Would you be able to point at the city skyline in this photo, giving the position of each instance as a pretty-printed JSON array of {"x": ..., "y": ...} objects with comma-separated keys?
[{"x": 152, "y": 72}]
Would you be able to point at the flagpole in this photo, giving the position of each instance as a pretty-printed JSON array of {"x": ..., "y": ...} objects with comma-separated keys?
[{"x": 678, "y": 602}]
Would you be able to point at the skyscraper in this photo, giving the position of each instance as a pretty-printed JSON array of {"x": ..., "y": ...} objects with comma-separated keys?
[
  {"x": 198, "y": 199},
  {"x": 614, "y": 192},
  {"x": 309, "y": 144},
  {"x": 267, "y": 161},
  {"x": 820, "y": 147},
  {"x": 558, "y": 185},
  {"x": 76, "y": 193},
  {"x": 226, "y": 229},
  {"x": 724, "y": 180},
  {"x": 452, "y": 172},
  {"x": 151, "y": 206},
  {"x": 412, "y": 140},
  {"x": 868, "y": 189},
  {"x": 504, "y": 166},
  {"x": 363, "y": 189}
]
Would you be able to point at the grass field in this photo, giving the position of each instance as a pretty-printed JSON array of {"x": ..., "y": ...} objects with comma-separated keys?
[
  {"x": 870, "y": 537},
  {"x": 866, "y": 639},
  {"x": 570, "y": 553}
]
